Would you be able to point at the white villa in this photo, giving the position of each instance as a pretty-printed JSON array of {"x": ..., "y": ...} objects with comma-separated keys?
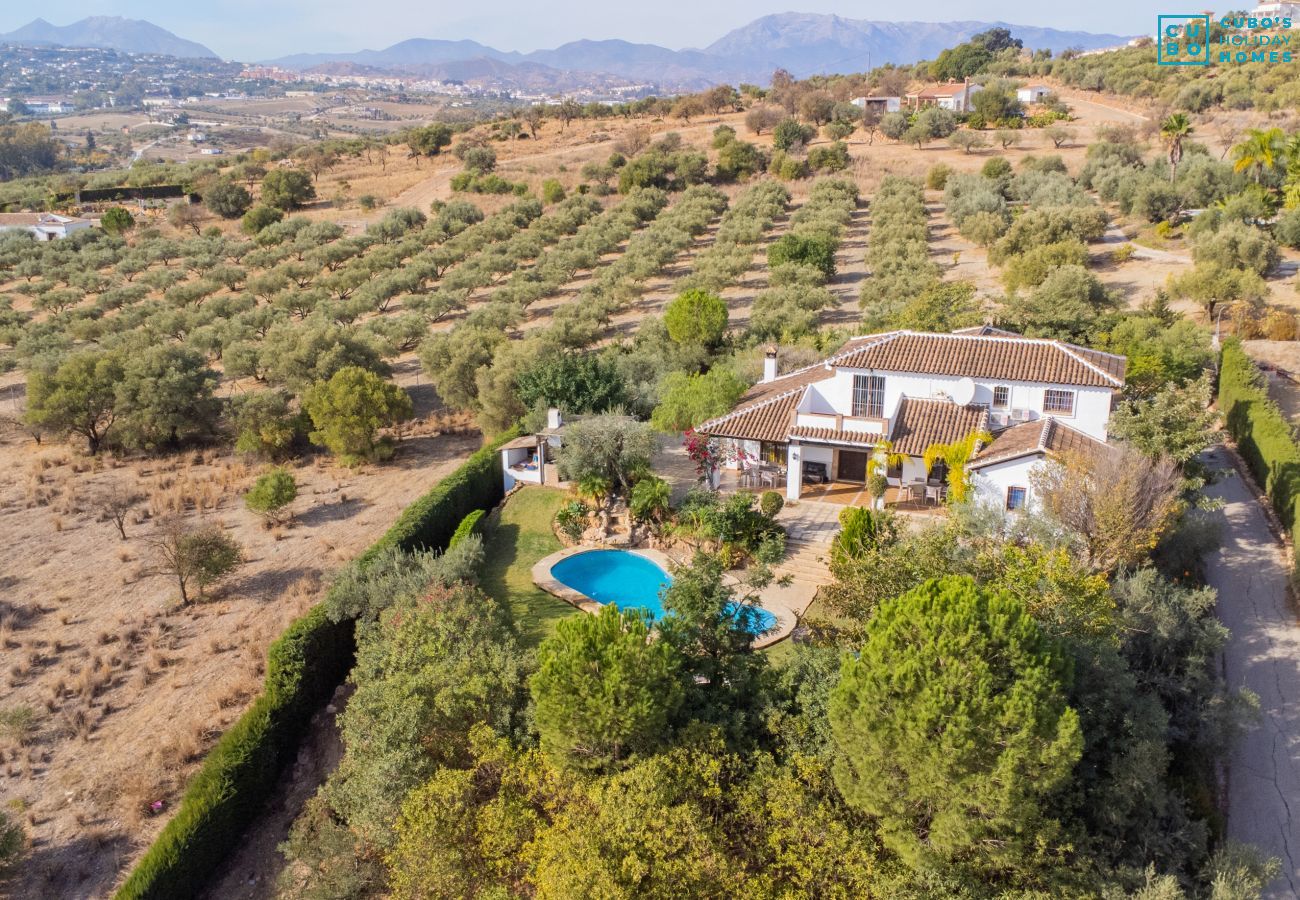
[
  {"x": 45, "y": 226},
  {"x": 952, "y": 95},
  {"x": 821, "y": 424}
]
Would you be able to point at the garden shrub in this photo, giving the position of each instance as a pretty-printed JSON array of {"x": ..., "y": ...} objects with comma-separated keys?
[{"x": 471, "y": 524}]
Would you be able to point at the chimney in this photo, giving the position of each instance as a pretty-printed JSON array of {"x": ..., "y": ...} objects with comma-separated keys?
[
  {"x": 769, "y": 364},
  {"x": 553, "y": 420}
]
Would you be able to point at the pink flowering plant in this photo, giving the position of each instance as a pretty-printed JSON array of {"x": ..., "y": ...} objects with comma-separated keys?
[{"x": 705, "y": 452}]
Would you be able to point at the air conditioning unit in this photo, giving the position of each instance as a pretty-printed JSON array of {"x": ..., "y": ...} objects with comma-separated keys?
[{"x": 1020, "y": 415}]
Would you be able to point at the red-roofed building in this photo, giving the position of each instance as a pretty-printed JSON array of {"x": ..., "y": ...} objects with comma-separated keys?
[{"x": 908, "y": 391}]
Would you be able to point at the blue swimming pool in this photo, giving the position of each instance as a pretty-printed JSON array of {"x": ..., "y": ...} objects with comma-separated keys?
[{"x": 629, "y": 581}]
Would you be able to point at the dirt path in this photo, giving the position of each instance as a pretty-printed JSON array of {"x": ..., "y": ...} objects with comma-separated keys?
[{"x": 1249, "y": 572}]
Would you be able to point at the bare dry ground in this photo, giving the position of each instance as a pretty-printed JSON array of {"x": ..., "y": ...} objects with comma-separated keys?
[{"x": 127, "y": 688}]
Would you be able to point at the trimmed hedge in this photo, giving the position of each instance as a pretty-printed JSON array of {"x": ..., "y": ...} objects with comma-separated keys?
[
  {"x": 430, "y": 522},
  {"x": 304, "y": 666},
  {"x": 1263, "y": 435},
  {"x": 471, "y": 524}
]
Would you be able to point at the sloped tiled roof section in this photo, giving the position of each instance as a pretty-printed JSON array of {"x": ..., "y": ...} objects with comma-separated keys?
[
  {"x": 1010, "y": 358},
  {"x": 920, "y": 424},
  {"x": 766, "y": 411},
  {"x": 834, "y": 436},
  {"x": 1046, "y": 436},
  {"x": 768, "y": 419}
]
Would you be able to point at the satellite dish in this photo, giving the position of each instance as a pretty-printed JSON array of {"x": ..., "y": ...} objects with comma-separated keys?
[{"x": 963, "y": 392}]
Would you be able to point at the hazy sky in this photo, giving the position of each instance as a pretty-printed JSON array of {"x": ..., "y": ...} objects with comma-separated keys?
[{"x": 260, "y": 29}]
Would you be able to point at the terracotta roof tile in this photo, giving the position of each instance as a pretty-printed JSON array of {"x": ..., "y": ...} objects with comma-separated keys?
[
  {"x": 984, "y": 356},
  {"x": 768, "y": 419},
  {"x": 920, "y": 424},
  {"x": 834, "y": 436},
  {"x": 1047, "y": 435}
]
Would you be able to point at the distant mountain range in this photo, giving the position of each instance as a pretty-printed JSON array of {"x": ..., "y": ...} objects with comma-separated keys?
[
  {"x": 803, "y": 43},
  {"x": 108, "y": 33}
]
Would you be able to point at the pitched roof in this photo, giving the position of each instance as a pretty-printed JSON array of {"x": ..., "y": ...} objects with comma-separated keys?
[
  {"x": 1013, "y": 358},
  {"x": 1045, "y": 436},
  {"x": 37, "y": 218},
  {"x": 765, "y": 411},
  {"x": 920, "y": 424}
]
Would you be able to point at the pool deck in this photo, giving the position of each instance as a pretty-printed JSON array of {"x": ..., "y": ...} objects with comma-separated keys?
[{"x": 773, "y": 599}]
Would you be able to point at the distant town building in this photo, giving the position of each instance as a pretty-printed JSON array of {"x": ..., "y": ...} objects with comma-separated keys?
[{"x": 45, "y": 226}]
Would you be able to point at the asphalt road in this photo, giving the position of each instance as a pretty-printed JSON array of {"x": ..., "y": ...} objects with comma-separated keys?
[{"x": 1249, "y": 571}]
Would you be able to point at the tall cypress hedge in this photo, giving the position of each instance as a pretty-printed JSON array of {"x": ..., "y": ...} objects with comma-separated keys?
[
  {"x": 1263, "y": 435},
  {"x": 304, "y": 666}
]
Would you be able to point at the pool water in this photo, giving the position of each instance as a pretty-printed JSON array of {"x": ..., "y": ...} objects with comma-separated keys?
[{"x": 629, "y": 581}]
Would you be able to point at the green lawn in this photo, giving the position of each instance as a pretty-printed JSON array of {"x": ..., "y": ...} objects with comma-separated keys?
[{"x": 514, "y": 542}]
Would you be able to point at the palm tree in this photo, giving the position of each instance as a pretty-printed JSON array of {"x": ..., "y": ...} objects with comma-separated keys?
[
  {"x": 955, "y": 456},
  {"x": 1172, "y": 132},
  {"x": 1262, "y": 151}
]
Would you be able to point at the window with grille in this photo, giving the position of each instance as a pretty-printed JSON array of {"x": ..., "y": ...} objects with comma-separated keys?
[
  {"x": 1001, "y": 397},
  {"x": 1059, "y": 402},
  {"x": 1016, "y": 497},
  {"x": 869, "y": 396}
]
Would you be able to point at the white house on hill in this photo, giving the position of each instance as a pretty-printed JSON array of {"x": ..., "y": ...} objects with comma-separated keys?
[
  {"x": 45, "y": 226},
  {"x": 913, "y": 390}
]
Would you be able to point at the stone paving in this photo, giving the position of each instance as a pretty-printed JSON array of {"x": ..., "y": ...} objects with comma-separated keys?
[{"x": 809, "y": 520}]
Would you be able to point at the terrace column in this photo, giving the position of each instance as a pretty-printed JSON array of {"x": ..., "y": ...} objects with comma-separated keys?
[{"x": 793, "y": 470}]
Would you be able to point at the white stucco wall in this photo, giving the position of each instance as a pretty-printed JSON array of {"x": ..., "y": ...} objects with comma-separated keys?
[
  {"x": 991, "y": 482},
  {"x": 835, "y": 396}
]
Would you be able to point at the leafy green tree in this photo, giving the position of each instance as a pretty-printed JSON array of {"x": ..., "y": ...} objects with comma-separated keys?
[
  {"x": 272, "y": 493},
  {"x": 265, "y": 424},
  {"x": 1065, "y": 306},
  {"x": 431, "y": 669},
  {"x": 713, "y": 628},
  {"x": 816, "y": 250},
  {"x": 227, "y": 199},
  {"x": 1212, "y": 283},
  {"x": 552, "y": 190},
  {"x": 287, "y": 189},
  {"x": 689, "y": 398},
  {"x": 117, "y": 220},
  {"x": 604, "y": 690},
  {"x": 349, "y": 409},
  {"x": 1176, "y": 420},
  {"x": 894, "y": 125},
  {"x": 953, "y": 730},
  {"x": 429, "y": 140},
  {"x": 791, "y": 134},
  {"x": 195, "y": 556},
  {"x": 576, "y": 382},
  {"x": 943, "y": 306},
  {"x": 696, "y": 317},
  {"x": 738, "y": 160},
  {"x": 165, "y": 398},
  {"x": 259, "y": 218},
  {"x": 613, "y": 448},
  {"x": 76, "y": 397}
]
